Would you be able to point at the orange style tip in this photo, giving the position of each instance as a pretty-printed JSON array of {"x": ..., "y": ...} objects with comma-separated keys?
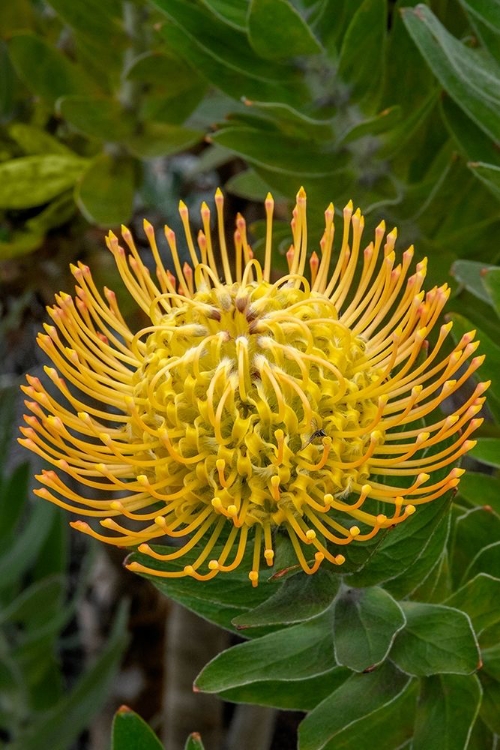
[
  {"x": 189, "y": 570},
  {"x": 469, "y": 445},
  {"x": 301, "y": 195},
  {"x": 216, "y": 503},
  {"x": 269, "y": 202},
  {"x": 381, "y": 518},
  {"x": 340, "y": 560},
  {"x": 410, "y": 510},
  {"x": 213, "y": 565},
  {"x": 79, "y": 525},
  {"x": 319, "y": 557},
  {"x": 144, "y": 548},
  {"x": 125, "y": 231},
  {"x": 328, "y": 499},
  {"x": 269, "y": 556},
  {"x": 254, "y": 577},
  {"x": 160, "y": 521},
  {"x": 232, "y": 511},
  {"x": 143, "y": 480},
  {"x": 310, "y": 535},
  {"x": 349, "y": 207},
  {"x": 147, "y": 226},
  {"x": 108, "y": 523},
  {"x": 218, "y": 195},
  {"x": 354, "y": 531}
]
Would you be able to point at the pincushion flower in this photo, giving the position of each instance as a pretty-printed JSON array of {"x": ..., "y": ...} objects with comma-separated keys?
[{"x": 247, "y": 408}]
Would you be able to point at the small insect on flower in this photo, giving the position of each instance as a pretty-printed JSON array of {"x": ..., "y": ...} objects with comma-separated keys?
[{"x": 247, "y": 407}]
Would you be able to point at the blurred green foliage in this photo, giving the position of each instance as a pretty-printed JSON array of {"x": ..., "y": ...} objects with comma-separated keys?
[{"x": 394, "y": 104}]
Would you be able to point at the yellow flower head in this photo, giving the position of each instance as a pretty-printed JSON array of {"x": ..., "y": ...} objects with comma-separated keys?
[{"x": 248, "y": 407}]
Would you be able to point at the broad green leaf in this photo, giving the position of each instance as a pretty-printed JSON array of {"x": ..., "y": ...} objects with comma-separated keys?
[
  {"x": 219, "y": 600},
  {"x": 34, "y": 140},
  {"x": 299, "y": 598},
  {"x": 225, "y": 56},
  {"x": 290, "y": 156},
  {"x": 487, "y": 451},
  {"x": 58, "y": 728},
  {"x": 469, "y": 273},
  {"x": 446, "y": 711},
  {"x": 33, "y": 180},
  {"x": 234, "y": 14},
  {"x": 105, "y": 192},
  {"x": 130, "y": 732},
  {"x": 481, "y": 738},
  {"x": 491, "y": 280},
  {"x": 248, "y": 185},
  {"x": 489, "y": 174},
  {"x": 277, "y": 31},
  {"x": 380, "y": 123},
  {"x": 45, "y": 70},
  {"x": 353, "y": 706},
  {"x": 474, "y": 143},
  {"x": 291, "y": 695},
  {"x": 100, "y": 21},
  {"x": 97, "y": 117},
  {"x": 479, "y": 599},
  {"x": 480, "y": 489},
  {"x": 487, "y": 560},
  {"x": 489, "y": 705},
  {"x": 491, "y": 661},
  {"x": 162, "y": 139},
  {"x": 436, "y": 640},
  {"x": 485, "y": 18},
  {"x": 293, "y": 653},
  {"x": 473, "y": 531},
  {"x": 194, "y": 742},
  {"x": 365, "y": 624},
  {"x": 362, "y": 55},
  {"x": 403, "y": 546},
  {"x": 19, "y": 244},
  {"x": 293, "y": 122},
  {"x": 469, "y": 78}
]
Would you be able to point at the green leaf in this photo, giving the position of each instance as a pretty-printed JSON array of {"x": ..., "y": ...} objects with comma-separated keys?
[
  {"x": 468, "y": 76},
  {"x": 292, "y": 695},
  {"x": 33, "y": 180},
  {"x": 59, "y": 727},
  {"x": 487, "y": 560},
  {"x": 403, "y": 546},
  {"x": 45, "y": 70},
  {"x": 481, "y": 738},
  {"x": 105, "y": 192},
  {"x": 97, "y": 117},
  {"x": 480, "y": 489},
  {"x": 194, "y": 742},
  {"x": 351, "y": 709},
  {"x": 362, "y": 54},
  {"x": 277, "y": 31},
  {"x": 59, "y": 211},
  {"x": 446, "y": 711},
  {"x": 162, "y": 139},
  {"x": 365, "y": 625},
  {"x": 293, "y": 653},
  {"x": 225, "y": 56},
  {"x": 290, "y": 156},
  {"x": 487, "y": 450},
  {"x": 12, "y": 487},
  {"x": 473, "y": 142},
  {"x": 473, "y": 530},
  {"x": 130, "y": 732},
  {"x": 479, "y": 599},
  {"x": 299, "y": 598},
  {"x": 485, "y": 19},
  {"x": 489, "y": 174},
  {"x": 380, "y": 123},
  {"x": 436, "y": 639},
  {"x": 491, "y": 280},
  {"x": 34, "y": 140},
  {"x": 248, "y": 185},
  {"x": 491, "y": 700},
  {"x": 469, "y": 273}
]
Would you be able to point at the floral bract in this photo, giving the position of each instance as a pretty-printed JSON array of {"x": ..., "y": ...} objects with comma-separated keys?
[{"x": 248, "y": 408}]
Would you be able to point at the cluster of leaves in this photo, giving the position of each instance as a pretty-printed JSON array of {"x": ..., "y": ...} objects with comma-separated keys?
[{"x": 36, "y": 709}]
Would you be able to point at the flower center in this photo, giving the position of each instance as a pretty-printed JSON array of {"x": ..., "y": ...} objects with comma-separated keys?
[{"x": 256, "y": 399}]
